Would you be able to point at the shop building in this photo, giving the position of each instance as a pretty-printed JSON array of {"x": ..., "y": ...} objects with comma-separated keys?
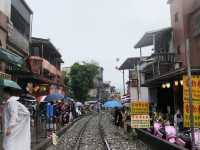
[
  {"x": 15, "y": 33},
  {"x": 45, "y": 65},
  {"x": 162, "y": 68},
  {"x": 135, "y": 89},
  {"x": 168, "y": 64}
]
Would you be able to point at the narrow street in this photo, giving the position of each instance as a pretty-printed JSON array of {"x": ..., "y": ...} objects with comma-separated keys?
[{"x": 97, "y": 132}]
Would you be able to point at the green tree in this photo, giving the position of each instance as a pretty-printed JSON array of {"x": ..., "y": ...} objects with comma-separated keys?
[{"x": 81, "y": 79}]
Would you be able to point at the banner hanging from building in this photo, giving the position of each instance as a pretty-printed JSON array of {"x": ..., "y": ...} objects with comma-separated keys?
[
  {"x": 140, "y": 121},
  {"x": 196, "y": 114},
  {"x": 139, "y": 108},
  {"x": 195, "y": 100},
  {"x": 195, "y": 88}
]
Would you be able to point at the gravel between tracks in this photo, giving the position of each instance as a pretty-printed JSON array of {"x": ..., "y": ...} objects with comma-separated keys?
[
  {"x": 91, "y": 139},
  {"x": 68, "y": 140},
  {"x": 117, "y": 138}
]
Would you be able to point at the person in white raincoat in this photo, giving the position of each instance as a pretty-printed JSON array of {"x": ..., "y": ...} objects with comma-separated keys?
[{"x": 16, "y": 124}]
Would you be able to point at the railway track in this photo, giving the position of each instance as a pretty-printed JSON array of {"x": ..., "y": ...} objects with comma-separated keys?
[
  {"x": 96, "y": 132},
  {"x": 92, "y": 136},
  {"x": 69, "y": 139}
]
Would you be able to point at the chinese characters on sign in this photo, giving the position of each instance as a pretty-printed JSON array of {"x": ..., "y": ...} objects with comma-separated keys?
[
  {"x": 140, "y": 114},
  {"x": 140, "y": 121},
  {"x": 195, "y": 100},
  {"x": 139, "y": 107},
  {"x": 196, "y": 114}
]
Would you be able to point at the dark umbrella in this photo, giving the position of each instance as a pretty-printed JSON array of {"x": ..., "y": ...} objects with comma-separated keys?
[{"x": 54, "y": 97}]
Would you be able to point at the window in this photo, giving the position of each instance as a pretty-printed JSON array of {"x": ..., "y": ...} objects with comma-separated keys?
[
  {"x": 2, "y": 66},
  {"x": 19, "y": 22},
  {"x": 176, "y": 17},
  {"x": 178, "y": 49},
  {"x": 35, "y": 51}
]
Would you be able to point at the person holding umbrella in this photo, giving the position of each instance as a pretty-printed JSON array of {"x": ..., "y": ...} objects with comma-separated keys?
[{"x": 16, "y": 121}]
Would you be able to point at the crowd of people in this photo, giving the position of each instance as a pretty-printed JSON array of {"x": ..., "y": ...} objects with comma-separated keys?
[
  {"x": 21, "y": 114},
  {"x": 122, "y": 118},
  {"x": 59, "y": 113}
]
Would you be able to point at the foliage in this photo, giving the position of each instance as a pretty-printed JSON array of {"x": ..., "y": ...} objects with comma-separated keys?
[
  {"x": 81, "y": 79},
  {"x": 66, "y": 81}
]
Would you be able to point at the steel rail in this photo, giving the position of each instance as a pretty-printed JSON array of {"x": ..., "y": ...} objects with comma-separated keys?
[
  {"x": 78, "y": 141},
  {"x": 101, "y": 130}
]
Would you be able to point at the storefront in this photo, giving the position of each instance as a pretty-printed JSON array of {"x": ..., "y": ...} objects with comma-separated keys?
[
  {"x": 170, "y": 97},
  {"x": 166, "y": 92}
]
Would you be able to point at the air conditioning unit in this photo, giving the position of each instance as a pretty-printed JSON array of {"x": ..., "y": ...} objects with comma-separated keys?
[{"x": 177, "y": 66}]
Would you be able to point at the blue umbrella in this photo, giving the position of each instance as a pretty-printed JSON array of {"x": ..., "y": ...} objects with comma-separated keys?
[
  {"x": 112, "y": 104},
  {"x": 54, "y": 97}
]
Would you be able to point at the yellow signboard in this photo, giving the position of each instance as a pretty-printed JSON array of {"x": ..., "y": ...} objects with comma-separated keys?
[
  {"x": 140, "y": 121},
  {"x": 196, "y": 114},
  {"x": 195, "y": 100},
  {"x": 195, "y": 88},
  {"x": 139, "y": 108}
]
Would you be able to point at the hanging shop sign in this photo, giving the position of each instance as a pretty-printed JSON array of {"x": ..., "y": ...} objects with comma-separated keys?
[
  {"x": 140, "y": 121},
  {"x": 139, "y": 108},
  {"x": 195, "y": 88},
  {"x": 196, "y": 114},
  {"x": 195, "y": 100}
]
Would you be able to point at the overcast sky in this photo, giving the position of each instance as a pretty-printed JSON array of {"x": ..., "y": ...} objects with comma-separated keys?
[{"x": 100, "y": 30}]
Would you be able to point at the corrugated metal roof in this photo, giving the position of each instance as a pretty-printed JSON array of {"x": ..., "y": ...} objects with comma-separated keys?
[
  {"x": 147, "y": 38},
  {"x": 45, "y": 41},
  {"x": 130, "y": 63}
]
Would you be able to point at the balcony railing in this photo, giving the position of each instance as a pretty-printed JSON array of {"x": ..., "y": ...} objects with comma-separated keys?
[
  {"x": 161, "y": 64},
  {"x": 38, "y": 65},
  {"x": 164, "y": 57}
]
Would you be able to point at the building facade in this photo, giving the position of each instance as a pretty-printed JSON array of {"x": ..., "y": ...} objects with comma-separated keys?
[
  {"x": 167, "y": 64},
  {"x": 15, "y": 33},
  {"x": 48, "y": 60},
  {"x": 134, "y": 66}
]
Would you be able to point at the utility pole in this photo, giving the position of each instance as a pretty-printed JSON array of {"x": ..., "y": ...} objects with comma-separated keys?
[
  {"x": 124, "y": 88},
  {"x": 190, "y": 92},
  {"x": 139, "y": 75}
]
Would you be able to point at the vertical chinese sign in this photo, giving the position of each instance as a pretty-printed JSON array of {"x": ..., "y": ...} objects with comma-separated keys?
[
  {"x": 140, "y": 114},
  {"x": 195, "y": 100}
]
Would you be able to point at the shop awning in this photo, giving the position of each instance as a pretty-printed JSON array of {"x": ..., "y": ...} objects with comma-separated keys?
[
  {"x": 9, "y": 83},
  {"x": 10, "y": 57}
]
